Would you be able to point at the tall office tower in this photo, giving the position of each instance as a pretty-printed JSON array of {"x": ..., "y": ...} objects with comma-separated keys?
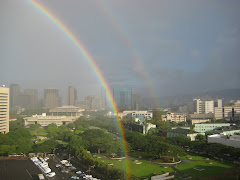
[
  {"x": 205, "y": 106},
  {"x": 123, "y": 97},
  {"x": 51, "y": 98},
  {"x": 103, "y": 98},
  {"x": 136, "y": 101},
  {"x": 72, "y": 95},
  {"x": 33, "y": 98},
  {"x": 14, "y": 93},
  {"x": 92, "y": 102},
  {"x": 4, "y": 110}
]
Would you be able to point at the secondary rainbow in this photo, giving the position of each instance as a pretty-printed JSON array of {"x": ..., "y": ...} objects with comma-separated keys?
[
  {"x": 91, "y": 63},
  {"x": 122, "y": 32}
]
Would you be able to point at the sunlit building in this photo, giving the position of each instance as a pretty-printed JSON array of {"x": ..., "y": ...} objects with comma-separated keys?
[
  {"x": 4, "y": 110},
  {"x": 205, "y": 106},
  {"x": 174, "y": 117},
  {"x": 44, "y": 120},
  {"x": 67, "y": 110}
]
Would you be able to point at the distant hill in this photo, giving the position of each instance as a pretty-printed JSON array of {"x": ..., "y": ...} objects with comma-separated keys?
[{"x": 178, "y": 100}]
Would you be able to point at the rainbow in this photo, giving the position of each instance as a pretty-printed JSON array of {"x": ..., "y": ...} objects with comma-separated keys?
[
  {"x": 142, "y": 69},
  {"x": 92, "y": 64}
]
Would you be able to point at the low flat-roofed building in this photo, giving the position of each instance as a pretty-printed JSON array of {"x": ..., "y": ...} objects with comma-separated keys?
[
  {"x": 227, "y": 130},
  {"x": 140, "y": 115},
  {"x": 174, "y": 117},
  {"x": 200, "y": 118},
  {"x": 186, "y": 132},
  {"x": 206, "y": 127},
  {"x": 44, "y": 120},
  {"x": 228, "y": 140},
  {"x": 67, "y": 110}
]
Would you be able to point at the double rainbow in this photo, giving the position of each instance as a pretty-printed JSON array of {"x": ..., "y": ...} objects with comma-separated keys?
[{"x": 92, "y": 64}]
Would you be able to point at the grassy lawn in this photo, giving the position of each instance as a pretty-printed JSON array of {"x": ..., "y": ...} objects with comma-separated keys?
[
  {"x": 39, "y": 132},
  {"x": 206, "y": 168},
  {"x": 145, "y": 169},
  {"x": 193, "y": 157}
]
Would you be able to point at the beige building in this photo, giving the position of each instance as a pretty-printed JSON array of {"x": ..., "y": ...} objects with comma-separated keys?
[
  {"x": 200, "y": 118},
  {"x": 137, "y": 115},
  {"x": 67, "y": 110},
  {"x": 205, "y": 105},
  {"x": 51, "y": 98},
  {"x": 4, "y": 110},
  {"x": 44, "y": 120},
  {"x": 174, "y": 117},
  {"x": 228, "y": 112}
]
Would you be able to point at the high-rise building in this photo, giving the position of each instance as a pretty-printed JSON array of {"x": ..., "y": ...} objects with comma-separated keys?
[
  {"x": 205, "y": 106},
  {"x": 14, "y": 93},
  {"x": 51, "y": 98},
  {"x": 4, "y": 110},
  {"x": 72, "y": 95},
  {"x": 123, "y": 97},
  {"x": 136, "y": 101},
  {"x": 92, "y": 102},
  {"x": 33, "y": 98},
  {"x": 103, "y": 98}
]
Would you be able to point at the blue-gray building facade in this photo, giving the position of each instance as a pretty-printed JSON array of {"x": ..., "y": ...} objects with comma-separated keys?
[{"x": 123, "y": 97}]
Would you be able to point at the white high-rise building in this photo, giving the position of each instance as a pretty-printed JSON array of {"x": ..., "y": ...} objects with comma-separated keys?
[
  {"x": 205, "y": 106},
  {"x": 4, "y": 110}
]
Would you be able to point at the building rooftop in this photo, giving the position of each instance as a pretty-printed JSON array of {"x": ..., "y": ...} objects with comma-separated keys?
[{"x": 183, "y": 131}]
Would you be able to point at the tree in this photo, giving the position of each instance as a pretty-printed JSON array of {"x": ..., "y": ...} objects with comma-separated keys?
[
  {"x": 200, "y": 137},
  {"x": 52, "y": 130}
]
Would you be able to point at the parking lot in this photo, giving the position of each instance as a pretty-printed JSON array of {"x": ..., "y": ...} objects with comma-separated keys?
[{"x": 11, "y": 169}]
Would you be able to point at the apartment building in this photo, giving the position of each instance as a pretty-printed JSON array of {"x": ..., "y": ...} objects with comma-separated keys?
[{"x": 4, "y": 110}]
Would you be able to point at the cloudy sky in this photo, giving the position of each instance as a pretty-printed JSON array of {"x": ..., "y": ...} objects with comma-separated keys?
[{"x": 154, "y": 46}]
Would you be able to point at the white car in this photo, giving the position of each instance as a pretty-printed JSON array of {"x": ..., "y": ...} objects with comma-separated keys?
[
  {"x": 58, "y": 165},
  {"x": 51, "y": 174},
  {"x": 79, "y": 172}
]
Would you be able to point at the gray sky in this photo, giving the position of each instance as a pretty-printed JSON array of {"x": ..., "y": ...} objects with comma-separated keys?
[{"x": 173, "y": 47}]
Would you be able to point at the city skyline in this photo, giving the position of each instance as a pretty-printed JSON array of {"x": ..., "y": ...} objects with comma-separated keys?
[{"x": 160, "y": 48}]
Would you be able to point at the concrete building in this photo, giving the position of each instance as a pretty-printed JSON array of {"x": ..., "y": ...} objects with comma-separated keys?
[
  {"x": 209, "y": 127},
  {"x": 136, "y": 115},
  {"x": 81, "y": 104},
  {"x": 103, "y": 99},
  {"x": 123, "y": 97},
  {"x": 136, "y": 101},
  {"x": 174, "y": 117},
  {"x": 44, "y": 120},
  {"x": 14, "y": 93},
  {"x": 51, "y": 98},
  {"x": 205, "y": 106},
  {"x": 33, "y": 98},
  {"x": 147, "y": 127},
  {"x": 72, "y": 95},
  {"x": 4, "y": 110},
  {"x": 93, "y": 103},
  {"x": 201, "y": 118},
  {"x": 67, "y": 110},
  {"x": 228, "y": 112},
  {"x": 228, "y": 140},
  {"x": 185, "y": 132}
]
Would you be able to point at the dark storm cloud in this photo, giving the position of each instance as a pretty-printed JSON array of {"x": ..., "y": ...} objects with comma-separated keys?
[{"x": 180, "y": 46}]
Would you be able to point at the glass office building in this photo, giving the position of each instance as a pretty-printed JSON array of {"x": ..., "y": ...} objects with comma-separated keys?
[{"x": 123, "y": 97}]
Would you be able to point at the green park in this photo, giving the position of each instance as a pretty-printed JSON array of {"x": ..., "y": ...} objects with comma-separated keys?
[{"x": 95, "y": 142}]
